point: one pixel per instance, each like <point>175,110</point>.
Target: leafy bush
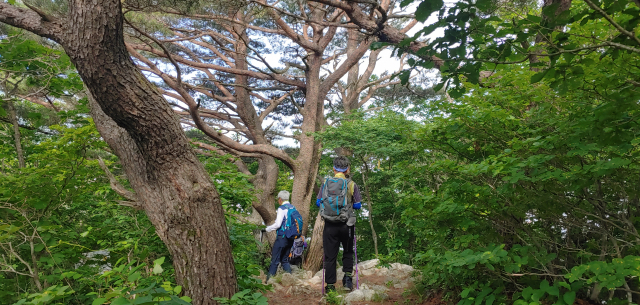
<point>244,297</point>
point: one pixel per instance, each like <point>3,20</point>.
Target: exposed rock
<point>277,286</point>
<point>355,296</point>
<point>288,280</point>
<point>401,285</point>
<point>364,295</point>
<point>368,264</point>
<point>379,288</point>
<point>313,281</point>
<point>367,272</point>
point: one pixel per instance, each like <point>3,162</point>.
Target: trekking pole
<point>322,284</point>
<point>355,252</point>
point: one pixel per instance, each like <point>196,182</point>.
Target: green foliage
<point>333,297</point>
<point>135,283</point>
<point>486,35</point>
<point>244,297</point>
<point>511,193</point>
<point>64,239</point>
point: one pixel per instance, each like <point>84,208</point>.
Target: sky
<point>386,63</point>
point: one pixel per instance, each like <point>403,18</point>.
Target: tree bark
<point>313,261</point>
<point>176,192</point>
<point>13,118</point>
<point>265,182</point>
<point>308,160</point>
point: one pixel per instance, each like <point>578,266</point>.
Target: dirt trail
<point>378,285</point>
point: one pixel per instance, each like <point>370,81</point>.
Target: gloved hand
<point>264,230</point>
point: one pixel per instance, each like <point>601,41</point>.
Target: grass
<point>333,298</point>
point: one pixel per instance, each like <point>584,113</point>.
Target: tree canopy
<point>138,163</point>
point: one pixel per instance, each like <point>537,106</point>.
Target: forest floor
<point>378,285</point>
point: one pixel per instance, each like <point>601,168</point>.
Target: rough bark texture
<point>264,183</point>
<point>310,149</point>
<point>313,260</point>
<point>176,192</point>
<point>193,249</point>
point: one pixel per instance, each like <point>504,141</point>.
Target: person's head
<point>341,165</point>
<point>283,196</point>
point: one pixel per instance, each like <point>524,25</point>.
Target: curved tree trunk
<point>313,261</point>
<point>176,192</point>
<point>308,160</point>
<point>265,182</point>
<point>172,186</point>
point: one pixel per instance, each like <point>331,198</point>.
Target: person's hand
<point>264,230</point>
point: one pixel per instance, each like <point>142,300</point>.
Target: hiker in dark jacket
<point>337,203</point>
<point>282,245</point>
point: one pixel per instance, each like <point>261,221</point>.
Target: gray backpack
<point>336,205</point>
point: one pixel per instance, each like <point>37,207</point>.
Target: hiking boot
<point>329,288</point>
<point>347,282</point>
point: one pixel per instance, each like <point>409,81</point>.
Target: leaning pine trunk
<point>172,186</point>
<point>313,260</point>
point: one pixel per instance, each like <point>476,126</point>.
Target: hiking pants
<point>335,234</point>
<point>280,254</point>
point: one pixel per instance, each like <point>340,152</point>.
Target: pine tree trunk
<point>136,121</point>
<point>187,215</point>
<point>264,182</point>
<point>313,260</point>
<point>13,118</point>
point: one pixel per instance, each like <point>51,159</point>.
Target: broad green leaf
<point>425,9</point>
<point>98,301</point>
<point>569,297</point>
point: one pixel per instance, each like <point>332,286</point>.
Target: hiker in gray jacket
<point>337,199</point>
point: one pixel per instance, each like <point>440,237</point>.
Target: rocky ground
<point>377,285</point>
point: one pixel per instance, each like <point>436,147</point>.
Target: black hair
<point>341,162</point>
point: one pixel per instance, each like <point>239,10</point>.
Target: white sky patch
<point>387,63</point>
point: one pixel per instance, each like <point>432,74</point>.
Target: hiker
<point>337,199</point>
<point>295,254</point>
<point>288,224</point>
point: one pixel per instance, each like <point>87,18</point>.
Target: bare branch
<point>115,185</point>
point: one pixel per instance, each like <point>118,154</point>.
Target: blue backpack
<point>291,226</point>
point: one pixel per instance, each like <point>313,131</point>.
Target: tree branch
<point>31,21</point>
<point>115,185</point>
